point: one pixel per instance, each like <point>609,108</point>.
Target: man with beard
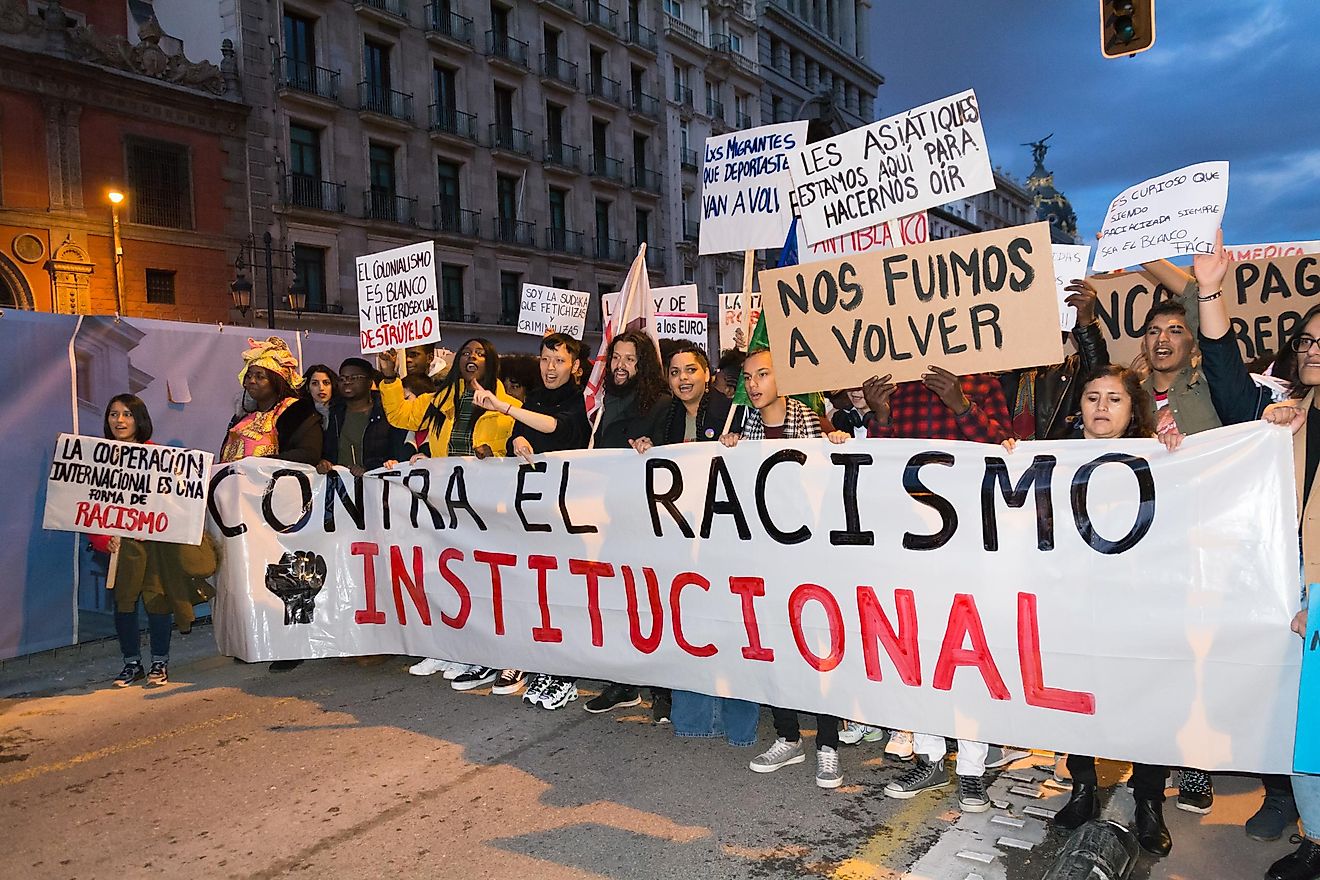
<point>635,391</point>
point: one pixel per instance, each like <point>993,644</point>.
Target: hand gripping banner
<point>1099,597</point>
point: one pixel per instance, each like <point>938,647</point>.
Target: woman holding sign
<point>167,578</point>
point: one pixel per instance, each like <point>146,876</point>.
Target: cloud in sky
<point>1225,80</point>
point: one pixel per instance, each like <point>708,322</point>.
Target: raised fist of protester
<point>1082,298</point>
<point>1286,415</point>
<point>387,364</point>
<point>1211,268</point>
<point>948,388</point>
<point>876,391</point>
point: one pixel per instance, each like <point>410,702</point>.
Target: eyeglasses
<point>1301,344</point>
<point>355,378</point>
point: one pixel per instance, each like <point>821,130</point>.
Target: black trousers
<point>786,726</point>
<point>1147,781</point>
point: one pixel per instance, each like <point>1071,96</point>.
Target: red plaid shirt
<point>917,413</point>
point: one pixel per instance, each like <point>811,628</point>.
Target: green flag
<point>760,341</point>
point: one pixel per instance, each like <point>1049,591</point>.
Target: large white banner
<point>744,188</point>
<point>1173,215</point>
<point>130,490</point>
<point>1097,597</point>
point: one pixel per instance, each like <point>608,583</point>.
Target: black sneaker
<point>159,674</point>
<point>971,794</point>
<point>131,672</point>
<point>475,677</point>
<point>1196,794</point>
<point>662,703</point>
<point>510,681</point>
<point>615,696</point>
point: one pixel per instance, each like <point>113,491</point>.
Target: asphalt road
<point>337,770</point>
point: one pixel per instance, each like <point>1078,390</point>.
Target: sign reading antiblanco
<point>545,310</point>
<point>690,328</point>
<point>1069,263</point>
<point>967,592</point>
<point>1266,301</point>
<point>928,156</point>
<point>744,188</point>
<point>969,304</point>
<point>132,490</point>
<point>397,305</point>
<point>1167,216</point>
<point>912,229</point>
<point>738,315</point>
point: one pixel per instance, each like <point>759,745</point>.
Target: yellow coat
<point>491,429</point>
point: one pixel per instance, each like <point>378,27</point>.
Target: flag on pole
<point>635,311</point>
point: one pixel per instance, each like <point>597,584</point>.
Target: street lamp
<point>241,289</point>
<point>116,199</point>
<point>297,299</point>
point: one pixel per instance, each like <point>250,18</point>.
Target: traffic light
<point>1126,27</point>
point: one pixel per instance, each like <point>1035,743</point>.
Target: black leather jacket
<point>1058,395</point>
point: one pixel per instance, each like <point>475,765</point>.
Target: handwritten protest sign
<point>744,185</point>
<point>678,299</point>
<point>1243,252</point>
<point>1266,300</point>
<point>397,303</point>
<point>738,315</point>
<point>969,304</point>
<point>912,229</point>
<point>1306,754</point>
<point>1167,216</point>
<point>927,156</point>
<point>131,490</point>
<point>1069,262</point>
<point>545,310</point>
<point>692,328</point>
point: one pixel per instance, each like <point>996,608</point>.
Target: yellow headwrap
<point>273,355</point>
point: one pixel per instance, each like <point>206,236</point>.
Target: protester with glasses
<point>358,436</point>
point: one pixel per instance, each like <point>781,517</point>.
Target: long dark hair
<point>490,373</point>
<point>321,368</point>
<point>1285,365</point>
<point>141,418</point>
<point>651,384</point>
<point>1142,423</point>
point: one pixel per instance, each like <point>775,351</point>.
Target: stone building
<point>1008,204</point>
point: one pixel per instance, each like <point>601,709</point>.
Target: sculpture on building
<point>1052,206</point>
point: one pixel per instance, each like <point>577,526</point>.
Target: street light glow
<point>115,196</point>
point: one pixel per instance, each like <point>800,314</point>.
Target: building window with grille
<point>449,211</point>
<point>160,286</point>
<point>159,184</point>
<point>451,292</point>
<point>510,297</point>
<point>309,267</point>
<point>674,8</point>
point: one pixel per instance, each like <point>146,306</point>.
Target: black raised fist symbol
<point>296,579</point>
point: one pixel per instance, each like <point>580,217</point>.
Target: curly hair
<point>651,384</point>
<point>1142,423</point>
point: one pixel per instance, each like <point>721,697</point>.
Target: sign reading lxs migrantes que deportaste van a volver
<point>744,188</point>
<point>130,490</point>
<point>397,301</point>
<point>1082,596</point>
<point>968,304</point>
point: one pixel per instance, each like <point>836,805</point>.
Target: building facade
<point>95,100</point>
<point>1008,204</point>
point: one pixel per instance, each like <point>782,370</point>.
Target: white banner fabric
<point>1096,597</point>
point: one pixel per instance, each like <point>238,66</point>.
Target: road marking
<point>874,859</point>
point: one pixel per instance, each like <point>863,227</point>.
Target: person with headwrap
<point>276,422</point>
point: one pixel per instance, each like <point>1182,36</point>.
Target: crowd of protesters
<point>1189,378</point>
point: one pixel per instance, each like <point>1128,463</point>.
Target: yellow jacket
<point>491,428</point>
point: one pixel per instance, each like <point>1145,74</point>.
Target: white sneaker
<point>781,754</point>
<point>558,693</point>
<point>536,686</point>
<point>852,733</point>
<point>900,745</point>
<point>455,670</point>
<point>429,666</point>
<point>828,774</point>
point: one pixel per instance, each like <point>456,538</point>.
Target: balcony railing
<point>378,204</point>
<point>506,48</point>
<point>715,109</point>
<point>448,24</point>
<point>558,69</point>
<point>655,258</point>
<point>690,228</point>
<point>303,77</point>
<point>515,140</point>
<point>518,232</point>
<point>646,105</point>
<point>565,241</point>
<point>683,95</point>
<point>603,87</point>
<point>744,120</point>
<point>306,191</point>
<point>561,154</point>
<point>689,160</point>
<point>387,102</point>
<point>566,5</point>
<point>607,167</point>
<point>642,36</point>
<point>676,27</point>
<point>614,250</point>
<point>445,120</point>
<point>452,220</point>
<point>645,178</point>
<point>397,8</point>
<point>602,16</point>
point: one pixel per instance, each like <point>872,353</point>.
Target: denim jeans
<point>130,634</point>
<point>699,715</point>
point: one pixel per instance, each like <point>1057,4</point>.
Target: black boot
<point>1081,808</point>
<point>1152,833</point>
<point>1301,865</point>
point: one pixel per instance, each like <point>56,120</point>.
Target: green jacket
<point>1189,395</point>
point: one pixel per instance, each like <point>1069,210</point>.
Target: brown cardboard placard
<point>971,304</point>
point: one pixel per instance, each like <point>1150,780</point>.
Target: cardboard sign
<point>131,490</point>
<point>397,302</point>
<point>1266,301</point>
<point>912,229</point>
<point>744,188</point>
<point>971,304</point>
<point>1167,216</point>
<point>545,310</point>
<point>1244,252</point>
<point>1069,262</point>
<point>692,328</point>
<point>675,300</point>
<point>928,156</point>
<point>738,315</point>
